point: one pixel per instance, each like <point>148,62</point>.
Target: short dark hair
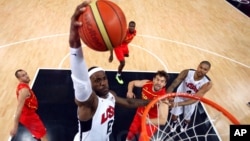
<point>162,73</point>
<point>132,23</point>
<point>206,62</point>
<point>17,71</point>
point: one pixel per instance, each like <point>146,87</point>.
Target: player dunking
<point>123,51</point>
<point>96,103</point>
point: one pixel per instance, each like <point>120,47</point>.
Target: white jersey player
<point>95,101</point>
<point>102,121</point>
<point>192,82</point>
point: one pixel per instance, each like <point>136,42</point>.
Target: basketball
<point>103,25</point>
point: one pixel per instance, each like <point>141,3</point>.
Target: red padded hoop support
<point>202,99</point>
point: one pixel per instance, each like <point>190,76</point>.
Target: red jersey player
<point>150,90</point>
<point>122,50</point>
<point>26,108</point>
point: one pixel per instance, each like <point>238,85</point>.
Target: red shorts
<point>135,128</point>
<point>120,51</point>
<point>33,123</point>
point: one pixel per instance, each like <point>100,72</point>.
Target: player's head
<point>131,26</point>
<point>22,76</point>
<point>203,68</point>
<point>160,80</point>
<point>99,81</point>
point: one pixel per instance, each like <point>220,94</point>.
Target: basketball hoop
<point>164,135</point>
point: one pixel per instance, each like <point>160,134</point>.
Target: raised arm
<point>130,102</point>
<point>182,75</point>
<point>84,96</point>
<point>132,84</point>
<point>78,66</point>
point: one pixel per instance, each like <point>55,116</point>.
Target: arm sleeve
<point>79,75</point>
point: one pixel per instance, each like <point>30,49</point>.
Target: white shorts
<point>187,109</point>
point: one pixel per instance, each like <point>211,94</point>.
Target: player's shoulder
<point>147,81</point>
<point>185,72</point>
<point>112,92</point>
<point>22,86</point>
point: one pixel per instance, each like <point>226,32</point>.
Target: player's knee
<point>37,139</point>
<point>122,63</point>
<point>174,117</point>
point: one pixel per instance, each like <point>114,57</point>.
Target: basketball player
<point>123,51</point>
<point>190,81</point>
<point>150,90</point>
<point>26,108</point>
<point>96,103</point>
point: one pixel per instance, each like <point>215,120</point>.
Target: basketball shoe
<point>118,79</point>
<point>173,126</point>
<point>184,126</point>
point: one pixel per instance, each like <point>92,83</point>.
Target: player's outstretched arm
<point>85,98</point>
<point>202,91</point>
<point>129,102</point>
<point>135,83</point>
<point>78,66</point>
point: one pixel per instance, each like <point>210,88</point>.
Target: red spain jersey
<point>30,102</point>
<point>29,118</point>
<point>129,37</point>
<point>149,94</point>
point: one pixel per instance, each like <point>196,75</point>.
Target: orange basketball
<point>104,25</point>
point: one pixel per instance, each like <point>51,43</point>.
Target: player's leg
<point>118,75</point>
<point>151,129</point>
<point>125,51</point>
<point>175,112</point>
<point>120,57</point>
<point>174,119</point>
<point>134,128</point>
<point>34,124</point>
<point>188,112</point>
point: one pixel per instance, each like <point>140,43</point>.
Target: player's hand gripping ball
<point>103,25</point>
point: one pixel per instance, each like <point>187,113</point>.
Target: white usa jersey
<point>189,85</point>
<point>100,124</point>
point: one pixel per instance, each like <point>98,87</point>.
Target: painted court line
<point>33,39</point>
<point>191,46</point>
<point>145,36</point>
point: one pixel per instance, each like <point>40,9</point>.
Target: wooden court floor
<point>171,35</point>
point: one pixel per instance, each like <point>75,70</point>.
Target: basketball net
<point>203,127</point>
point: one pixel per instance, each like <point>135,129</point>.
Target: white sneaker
<point>173,126</point>
<point>184,127</point>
